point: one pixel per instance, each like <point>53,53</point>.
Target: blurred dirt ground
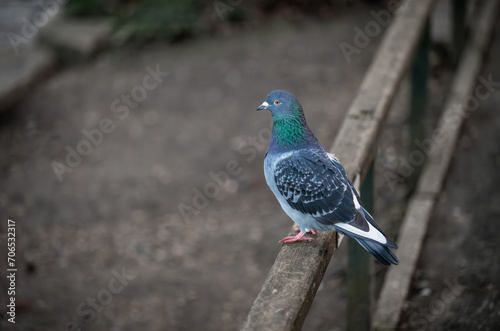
<point>107,248</point>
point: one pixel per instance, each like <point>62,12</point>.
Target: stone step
<point>76,39</point>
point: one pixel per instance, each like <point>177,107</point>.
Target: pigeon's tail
<point>381,252</point>
<point>369,235</point>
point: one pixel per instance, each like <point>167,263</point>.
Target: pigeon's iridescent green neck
<point>290,129</point>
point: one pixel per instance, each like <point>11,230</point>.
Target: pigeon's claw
<point>298,237</point>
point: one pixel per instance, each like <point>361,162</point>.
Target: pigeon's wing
<point>313,185</point>
<point>316,184</point>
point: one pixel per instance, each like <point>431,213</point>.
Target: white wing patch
<point>372,233</point>
<point>355,200</point>
<point>332,157</point>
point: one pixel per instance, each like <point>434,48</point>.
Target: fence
<point>288,292</point>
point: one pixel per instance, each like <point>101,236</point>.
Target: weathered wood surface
<point>397,281</point>
<point>287,294</point>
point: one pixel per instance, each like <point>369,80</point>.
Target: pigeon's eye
<point>277,102</point>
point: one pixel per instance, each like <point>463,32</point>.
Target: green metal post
<point>359,291</point>
<point>420,71</point>
<point>459,16</point>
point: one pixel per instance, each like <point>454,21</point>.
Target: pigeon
<point>312,186</point>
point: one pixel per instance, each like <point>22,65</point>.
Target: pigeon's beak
<point>263,106</point>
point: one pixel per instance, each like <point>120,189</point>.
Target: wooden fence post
<point>359,271</point>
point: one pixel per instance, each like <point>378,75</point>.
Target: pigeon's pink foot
<point>299,237</point>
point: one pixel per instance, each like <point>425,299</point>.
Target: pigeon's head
<point>281,103</point>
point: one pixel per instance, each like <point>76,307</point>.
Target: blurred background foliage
<point>146,20</point>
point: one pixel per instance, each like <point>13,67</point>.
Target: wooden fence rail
<point>289,290</point>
